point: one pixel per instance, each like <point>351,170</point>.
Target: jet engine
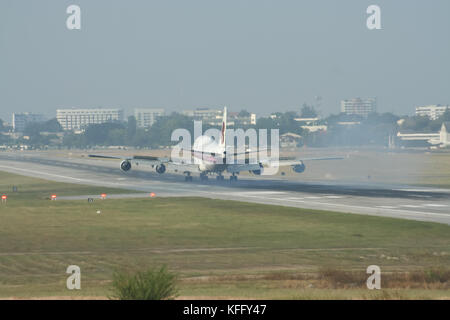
<point>259,171</point>
<point>161,168</point>
<point>125,165</point>
<point>299,168</point>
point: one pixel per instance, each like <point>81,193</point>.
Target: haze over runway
<point>399,201</point>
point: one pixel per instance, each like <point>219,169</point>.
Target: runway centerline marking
<point>435,205</point>
<point>48,174</point>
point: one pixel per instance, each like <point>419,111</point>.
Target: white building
<point>238,119</point>
<point>78,119</point>
<point>432,111</point>
<point>431,138</point>
<point>214,117</point>
<point>21,120</point>
<point>358,106</point>
<point>290,140</point>
<point>145,118</point>
<point>203,113</point>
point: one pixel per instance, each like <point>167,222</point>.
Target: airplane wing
<point>236,168</point>
<point>147,159</point>
<point>283,163</point>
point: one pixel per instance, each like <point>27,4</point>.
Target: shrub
<point>153,284</point>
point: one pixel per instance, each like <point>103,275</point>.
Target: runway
<point>399,201</point>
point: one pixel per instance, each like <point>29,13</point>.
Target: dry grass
<point>431,278</point>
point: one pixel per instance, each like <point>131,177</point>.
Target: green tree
<point>244,113</point>
<point>131,128</point>
<point>161,131</point>
<point>446,116</point>
<point>308,111</point>
<point>73,140</point>
<point>51,125</point>
<point>105,133</point>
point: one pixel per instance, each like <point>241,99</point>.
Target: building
<point>311,124</point>
<point>430,138</point>
<point>21,120</point>
<point>209,116</point>
<point>214,117</point>
<point>432,111</point>
<point>290,140</point>
<point>145,118</point>
<point>240,119</point>
<point>358,106</point>
<point>203,113</point>
<point>79,119</point>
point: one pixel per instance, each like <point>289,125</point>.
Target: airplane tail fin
<point>223,132</point>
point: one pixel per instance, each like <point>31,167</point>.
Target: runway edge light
<point>152,194</point>
<point>53,197</point>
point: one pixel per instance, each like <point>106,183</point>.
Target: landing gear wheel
<point>188,178</point>
<point>203,177</point>
<point>233,178</point>
<point>220,178</point>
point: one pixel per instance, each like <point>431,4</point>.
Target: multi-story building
<point>241,119</point>
<point>145,118</point>
<point>78,119</point>
<point>203,113</point>
<point>206,115</point>
<point>214,117</point>
<point>358,106</point>
<point>21,120</point>
<point>432,111</point>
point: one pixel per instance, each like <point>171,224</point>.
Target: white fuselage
<point>208,154</point>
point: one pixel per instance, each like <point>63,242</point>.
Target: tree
<point>285,122</point>
<point>308,111</point>
<point>38,127</point>
<point>161,131</point>
<point>445,116</point>
<point>131,128</point>
<point>244,113</point>
<point>51,125</point>
<point>416,124</point>
<point>73,140</point>
<point>105,133</point>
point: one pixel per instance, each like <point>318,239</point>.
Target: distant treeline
<point>357,131</point>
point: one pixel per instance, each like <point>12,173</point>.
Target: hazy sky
<point>259,55</point>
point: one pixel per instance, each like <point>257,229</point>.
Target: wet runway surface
<point>409,202</point>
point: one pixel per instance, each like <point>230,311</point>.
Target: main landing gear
<point>233,178</point>
<point>220,177</point>
<point>203,177</point>
<point>188,177</point>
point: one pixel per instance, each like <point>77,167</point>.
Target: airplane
<point>210,157</point>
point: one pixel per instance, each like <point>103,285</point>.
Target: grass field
<point>220,248</point>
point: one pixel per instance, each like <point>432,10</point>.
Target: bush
<point>153,284</point>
